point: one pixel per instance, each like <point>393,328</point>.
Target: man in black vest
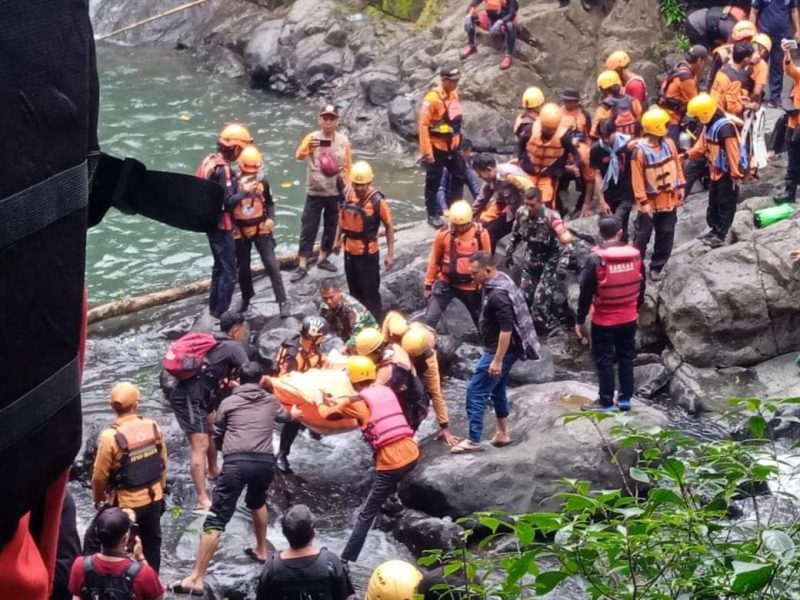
<point>303,570</point>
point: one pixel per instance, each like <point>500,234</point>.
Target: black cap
<point>450,70</point>
<point>697,52</point>
<point>112,524</point>
<point>570,94</point>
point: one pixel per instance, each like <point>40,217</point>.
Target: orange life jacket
<point>292,356</point>
<point>250,211</point>
<point>450,123</point>
<point>494,5</point>
<point>545,155</point>
<point>387,423</point>
<point>622,111</point>
<point>456,254</point>
<point>141,465</point>
<point>660,170</point>
<point>576,120</point>
<point>667,99</point>
<point>524,118</point>
<point>354,221</point>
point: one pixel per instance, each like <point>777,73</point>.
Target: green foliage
<point>672,12</point>
<point>668,535</point>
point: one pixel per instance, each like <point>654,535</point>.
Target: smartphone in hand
<point>133,533</point>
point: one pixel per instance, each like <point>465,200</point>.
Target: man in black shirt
<point>501,348</point>
<point>303,570</point>
<point>194,400</point>
<point>610,157</point>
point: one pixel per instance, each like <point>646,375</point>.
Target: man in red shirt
<point>112,568</point>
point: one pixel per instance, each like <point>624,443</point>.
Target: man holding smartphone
<point>329,157</point>
<point>773,17</point>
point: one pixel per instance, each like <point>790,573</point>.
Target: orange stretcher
<point>305,391</point>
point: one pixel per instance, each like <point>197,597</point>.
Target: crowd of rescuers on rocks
<point>626,157</point>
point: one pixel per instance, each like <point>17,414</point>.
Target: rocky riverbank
<point>376,66</point>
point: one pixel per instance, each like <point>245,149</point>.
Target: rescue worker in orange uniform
<point>130,468</point>
<point>719,143</point>
<point>395,371</point>
<point>502,194</point>
<point>532,102</point>
<point>419,342</point>
<point>217,168</point>
<point>743,31</point>
<point>634,86</point>
<point>360,217</point>
<point>617,105</point>
<point>762,46</point>
<point>658,183</point>
<point>299,352</point>
<point>732,84</point>
<point>448,275</point>
<point>577,118</point>
<point>439,131</point>
<point>792,131</point>
<point>548,153</point>
<point>381,419</point>
<point>498,19</point>
<point>680,86</point>
<point>254,222</point>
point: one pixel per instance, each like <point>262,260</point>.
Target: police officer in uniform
<point>130,468</point>
<point>612,290</point>
<point>548,249</point>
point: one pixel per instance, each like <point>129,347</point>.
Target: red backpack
<point>185,356</point>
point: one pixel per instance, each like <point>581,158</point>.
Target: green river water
<point>143,92</point>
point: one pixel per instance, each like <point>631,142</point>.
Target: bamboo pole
<point>166,13</point>
<point>129,305</point>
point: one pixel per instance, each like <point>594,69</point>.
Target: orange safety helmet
<point>234,135</point>
<point>618,59</point>
<point>550,116</point>
<point>743,30</point>
<point>250,160</point>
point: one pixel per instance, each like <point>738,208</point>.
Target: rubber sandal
<point>465,447</point>
<point>251,554</point>
<point>177,588</point>
<point>501,444</point>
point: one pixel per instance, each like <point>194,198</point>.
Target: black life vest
<point>141,464</point>
<point>108,587</point>
<point>312,582</point>
<point>680,71</point>
<point>410,392</point>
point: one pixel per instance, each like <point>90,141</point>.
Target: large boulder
<point>545,451</point>
<point>737,305</point>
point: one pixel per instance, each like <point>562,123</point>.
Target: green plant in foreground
<point>672,12</point>
<point>668,534</point>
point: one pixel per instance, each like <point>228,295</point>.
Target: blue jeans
<point>482,387</point>
<point>223,273</point>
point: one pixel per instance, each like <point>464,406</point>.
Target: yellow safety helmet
<point>250,160</point>
<point>532,98</point>
<point>703,106</point>
<point>394,580</point>
<point>608,79</point>
<point>618,59</point>
<point>550,116</point>
<point>234,135</point>
<point>395,324</point>
<point>743,30</point>
<point>361,173</point>
<point>360,369</point>
<point>655,120</point>
<point>369,340</point>
<point>416,341</point>
<point>763,40</point>
<point>460,213</point>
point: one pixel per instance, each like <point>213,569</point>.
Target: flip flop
<point>465,447</point>
<point>501,444</point>
<point>178,588</point>
<point>251,554</point>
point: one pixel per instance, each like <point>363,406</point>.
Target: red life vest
<point>354,221</point>
<point>387,423</point>
<point>204,170</point>
<point>619,279</point>
<point>141,464</point>
<point>456,254</point>
<point>631,80</point>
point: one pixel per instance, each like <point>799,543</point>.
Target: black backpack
<point>108,587</point>
<point>313,582</point>
<point>410,392</point>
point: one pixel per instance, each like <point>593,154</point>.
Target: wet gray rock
<point>380,86</point>
<point>421,532</point>
<point>269,341</point>
<point>650,379</point>
<point>401,116</point>
<point>406,285</point>
<point>545,451</point>
<point>534,371</point>
<point>463,363</point>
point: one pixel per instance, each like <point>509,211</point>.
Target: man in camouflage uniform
<point>548,248</point>
<point>345,315</point>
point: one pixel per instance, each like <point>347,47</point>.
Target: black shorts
<point>189,402</point>
<point>239,470</point>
